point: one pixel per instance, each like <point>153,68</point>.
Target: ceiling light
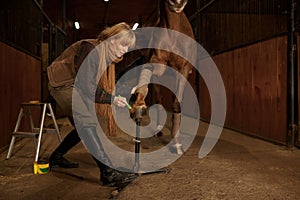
<point>77,26</point>
<point>106,0</point>
<point>135,26</point>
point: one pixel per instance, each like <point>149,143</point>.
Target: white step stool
<point>35,132</point>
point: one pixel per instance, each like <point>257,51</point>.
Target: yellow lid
<point>34,101</point>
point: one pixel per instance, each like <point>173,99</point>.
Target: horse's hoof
<point>178,148</point>
<point>138,111</point>
<point>158,130</point>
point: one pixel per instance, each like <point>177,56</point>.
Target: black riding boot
<point>57,159</point>
<point>108,175</point>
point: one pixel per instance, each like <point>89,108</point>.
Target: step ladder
<point>36,132</point>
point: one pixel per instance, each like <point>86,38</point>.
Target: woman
<point>90,65</point>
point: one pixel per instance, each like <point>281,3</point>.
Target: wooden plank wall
<point>234,29</point>
<point>20,80</point>
<point>298,43</point>
<point>255,79</point>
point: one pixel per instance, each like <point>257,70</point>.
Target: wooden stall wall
<point>298,58</point>
<point>20,79</point>
<point>255,79</point>
<point>236,29</point>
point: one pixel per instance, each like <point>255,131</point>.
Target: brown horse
<point>171,17</point>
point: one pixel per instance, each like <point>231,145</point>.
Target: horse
<point>171,17</point>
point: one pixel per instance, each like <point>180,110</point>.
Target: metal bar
<point>137,145</point>
<point>40,133</point>
<point>201,10</point>
<point>292,76</point>
<point>54,121</point>
<point>11,146</point>
<point>64,15</point>
<point>12,142</point>
<point>43,12</point>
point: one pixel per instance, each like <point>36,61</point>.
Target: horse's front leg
<point>175,130</point>
<point>176,115</point>
<point>160,110</point>
<point>137,99</point>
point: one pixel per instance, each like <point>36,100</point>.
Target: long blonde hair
<point>106,81</point>
<point>119,31</point>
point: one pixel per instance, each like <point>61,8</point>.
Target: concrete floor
<point>239,167</point>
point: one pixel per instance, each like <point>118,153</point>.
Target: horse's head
<point>176,5</point>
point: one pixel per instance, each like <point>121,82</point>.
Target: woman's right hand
<point>120,101</point>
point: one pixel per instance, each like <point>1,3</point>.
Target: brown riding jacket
<point>63,70</point>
